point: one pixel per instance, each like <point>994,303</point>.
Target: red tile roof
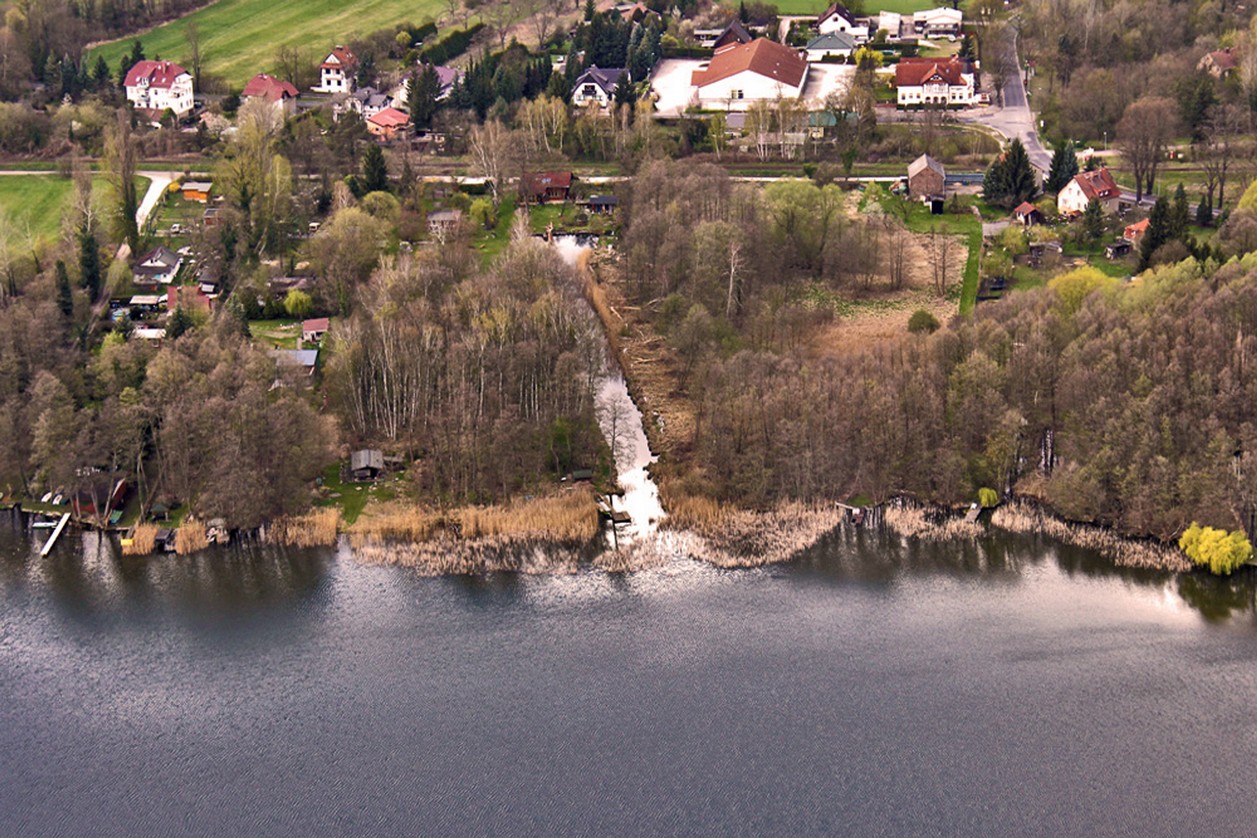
<point>269,88</point>
<point>158,73</point>
<point>1098,184</point>
<point>538,182</point>
<point>1134,231</point>
<point>1224,59</point>
<point>911,72</point>
<point>762,56</point>
<point>345,60</point>
<point>1025,208</point>
<point>390,118</point>
<point>318,324</point>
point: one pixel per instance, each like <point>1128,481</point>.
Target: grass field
<point>36,202</point>
<point>815,7</point>
<point>242,37</point>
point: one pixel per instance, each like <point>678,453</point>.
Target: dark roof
<point>839,10</point>
<point>604,201</point>
<point>536,183</point>
<point>606,79</point>
<point>832,40</point>
<point>366,458</point>
<point>735,33</point>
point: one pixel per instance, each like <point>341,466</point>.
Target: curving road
<point>1014,118</point>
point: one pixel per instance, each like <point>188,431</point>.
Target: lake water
<point>869,688</point>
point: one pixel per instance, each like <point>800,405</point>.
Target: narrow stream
<point>621,423</point>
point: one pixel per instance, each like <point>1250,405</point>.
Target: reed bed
<point>914,522</point>
<point>543,535</point>
<point>317,528</point>
<point>1126,552</point>
<point>728,537</point>
<point>190,537</point>
<point>143,541</point>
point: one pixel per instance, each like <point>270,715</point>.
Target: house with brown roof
<point>275,91</point>
<point>155,87</point>
<point>388,124</point>
<point>838,18</point>
<point>336,73</point>
<point>1220,63</point>
<point>1027,214</point>
<point>541,187</point>
<point>1134,232</point>
<point>1085,187</point>
<point>735,33</point>
<point>934,81</point>
<point>739,75</point>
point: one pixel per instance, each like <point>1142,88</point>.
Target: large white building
<point>1085,187</point>
<point>336,73</point>
<point>940,22</point>
<point>158,86</point>
<point>742,74</point>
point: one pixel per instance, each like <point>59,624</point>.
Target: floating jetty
<point>56,533</point>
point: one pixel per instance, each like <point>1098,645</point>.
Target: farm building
<point>745,73</point>
<point>926,178</point>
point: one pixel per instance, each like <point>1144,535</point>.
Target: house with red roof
<point>935,81</point>
<point>388,124</point>
<point>157,86</point>
<point>540,187</point>
<point>739,75</point>
<point>1134,232</point>
<point>267,88</point>
<point>336,73</point>
<point>1085,187</point>
<point>1219,63</point>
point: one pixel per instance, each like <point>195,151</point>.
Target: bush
<point>1221,551</point>
<point>922,322</point>
<point>451,46</point>
<point>987,498</point>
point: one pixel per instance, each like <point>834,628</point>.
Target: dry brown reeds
<point>701,514</point>
<point>317,528</point>
<point>728,537</point>
<point>190,537</point>
<point>1125,552</point>
<point>912,522</point>
<point>143,541</point>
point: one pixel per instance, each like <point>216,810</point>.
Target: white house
<point>158,86</point>
<point>891,23</point>
<point>281,94</point>
<point>833,45</point>
<point>931,81</point>
<point>596,86</point>
<point>740,75</point>
<point>838,18</point>
<point>1073,199</point>
<point>939,22</point>
<point>336,73</point>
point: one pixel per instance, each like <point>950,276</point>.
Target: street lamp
<point>1106,140</point>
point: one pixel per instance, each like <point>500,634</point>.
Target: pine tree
<point>179,323</point>
<point>589,10</point>
<point>425,87</point>
<point>65,296</point>
<point>1093,220</point>
<point>374,171</point>
<point>1064,168</point>
<point>100,74</point>
<point>1010,179</point>
<point>742,13</point>
<point>1204,210</point>
<point>89,264</point>
<point>1180,215</point>
<point>1157,233</point>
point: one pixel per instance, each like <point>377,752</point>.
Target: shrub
<point>987,498</point>
<point>922,322</point>
<point>1221,551</point>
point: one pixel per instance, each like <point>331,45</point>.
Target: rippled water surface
<point>871,688</point>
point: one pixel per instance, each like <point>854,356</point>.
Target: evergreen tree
<point>374,170</point>
<point>1204,210</point>
<point>100,74</point>
<point>179,323</point>
<point>1064,168</point>
<point>1093,220</point>
<point>1180,215</point>
<point>1010,179</point>
<point>425,87</point>
<point>65,296</point>
<point>590,9</point>
<point>1158,232</point>
<point>129,61</point>
<point>624,93</point>
<point>89,264</point>
<point>743,16</point>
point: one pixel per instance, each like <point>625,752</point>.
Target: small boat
<point>47,497</point>
<point>57,499</point>
<point>43,525</point>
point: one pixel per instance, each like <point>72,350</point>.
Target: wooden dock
<point>52,539</point>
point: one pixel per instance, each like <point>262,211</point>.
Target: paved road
<point>1014,119</point>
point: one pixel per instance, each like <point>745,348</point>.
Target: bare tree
<point>940,253</point>
<point>1143,135</point>
<point>1218,149</point>
<point>488,147</point>
<point>543,15</point>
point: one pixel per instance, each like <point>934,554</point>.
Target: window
<point>737,94</point>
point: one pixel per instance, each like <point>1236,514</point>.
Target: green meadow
<point>242,37</point>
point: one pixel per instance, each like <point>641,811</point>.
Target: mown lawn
<point>242,37</point>
<point>36,202</point>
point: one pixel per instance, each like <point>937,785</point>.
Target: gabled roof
<point>761,56</point>
<point>389,118</point>
<point>159,255</point>
<point>911,72</point>
<point>447,76</point>
<point>1134,231</point>
<point>268,87</point>
<point>161,74</point>
<point>339,58</point>
<point>606,79</point>
<point>1223,59</point>
<point>735,33</point>
<point>838,10</point>
<point>834,40</point>
<point>924,162</point>
<point>1098,185</point>
<point>1025,208</point>
<point>536,183</point>
<point>317,324</point>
